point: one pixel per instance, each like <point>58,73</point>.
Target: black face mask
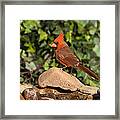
<point>56,45</point>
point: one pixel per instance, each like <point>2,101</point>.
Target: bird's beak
<point>53,45</point>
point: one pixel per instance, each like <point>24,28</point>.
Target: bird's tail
<point>88,71</point>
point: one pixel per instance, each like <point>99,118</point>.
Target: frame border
<point>55,2</point>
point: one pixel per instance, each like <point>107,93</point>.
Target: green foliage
<point>36,56</point>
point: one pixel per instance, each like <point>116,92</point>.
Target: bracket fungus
<point>56,77</point>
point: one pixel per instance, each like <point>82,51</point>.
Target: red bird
<point>66,56</point>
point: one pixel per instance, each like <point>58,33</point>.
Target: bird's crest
<point>59,38</point>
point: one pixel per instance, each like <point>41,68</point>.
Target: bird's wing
<point>66,56</point>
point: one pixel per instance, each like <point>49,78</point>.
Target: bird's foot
<point>71,71</point>
<point>63,68</point>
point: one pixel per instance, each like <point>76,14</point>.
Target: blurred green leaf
<point>46,66</point>
<point>29,24</point>
<point>23,54</point>
<point>30,66</point>
<point>68,37</point>
<point>96,50</point>
<point>57,30</point>
<point>53,63</point>
<point>21,79</point>
<point>30,47</point>
<point>87,37</point>
<point>27,30</point>
<point>43,35</point>
<point>92,31</point>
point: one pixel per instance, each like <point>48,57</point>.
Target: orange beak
<point>53,45</point>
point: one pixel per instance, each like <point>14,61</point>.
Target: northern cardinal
<point>66,56</point>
